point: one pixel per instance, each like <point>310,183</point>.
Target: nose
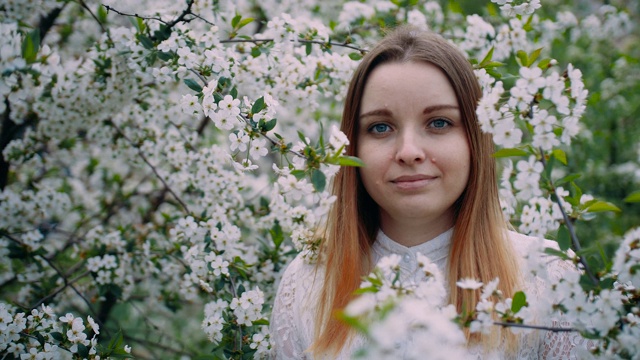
<point>410,148</point>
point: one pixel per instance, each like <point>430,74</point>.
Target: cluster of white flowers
<point>625,264</point>
<point>403,331</point>
<point>511,8</point>
<point>569,102</point>
<point>29,207</point>
<point>248,307</point>
<point>213,319</point>
<point>51,336</point>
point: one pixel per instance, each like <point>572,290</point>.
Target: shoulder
<point>299,276</point>
<point>300,268</point>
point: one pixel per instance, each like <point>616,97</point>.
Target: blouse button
<point>407,258</point>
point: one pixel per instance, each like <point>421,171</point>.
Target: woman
<point>428,185</point>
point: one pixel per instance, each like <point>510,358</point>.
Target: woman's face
<point>413,143</point>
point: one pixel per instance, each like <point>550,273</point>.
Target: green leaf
<point>193,85</point>
<point>600,206</point>
<point>364,290</point>
<point>299,174</point>
<point>57,336</point>
<point>577,190</point>
<point>83,351</point>
<point>116,341</point>
<point>269,125</point>
<point>527,26</point>
<point>455,7</point>
<point>350,161</point>
<point>145,41</point>
<point>308,47</point>
<point>355,56</point>
<point>303,138</point>
<point>258,105</point>
<point>261,322</point>
<point>493,64</point>
<point>139,24</point>
<point>31,45</point>
<point>234,92</point>
<point>634,197</point>
<point>567,179</point>
<point>255,51</point>
<point>534,56</point>
<point>102,13</point>
<point>352,322</point>
<point>509,152</point>
<point>487,58</point>
<point>522,57</point>
<point>519,300</point>
<point>236,19</point>
<point>163,33</point>
<point>276,234</point>
<point>319,180</point>
<point>40,338</point>
<point>544,63</point>
<point>165,56</point>
<point>556,252</point>
<point>560,155</point>
<point>244,22</point>
<point>564,238</point>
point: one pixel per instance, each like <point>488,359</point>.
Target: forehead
<point>406,84</point>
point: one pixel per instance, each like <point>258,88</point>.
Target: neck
<point>414,231</point>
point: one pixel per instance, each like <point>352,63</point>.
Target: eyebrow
<point>427,110</point>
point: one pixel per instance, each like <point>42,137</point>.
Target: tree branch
<point>183,18</point>
<point>46,22</point>
<point>155,171</point>
<point>534,327</point>
<point>102,28</point>
<point>303,41</point>
<point>572,233</point>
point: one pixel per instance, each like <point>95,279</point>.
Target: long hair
<point>479,242</point>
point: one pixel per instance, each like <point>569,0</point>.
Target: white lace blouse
<point>293,316</point>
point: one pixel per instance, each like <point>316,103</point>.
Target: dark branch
<point>534,327</point>
<point>46,22</point>
<point>155,171</point>
<point>183,18</point>
<point>109,8</point>
<point>572,233</point>
<point>303,41</point>
<point>84,5</point>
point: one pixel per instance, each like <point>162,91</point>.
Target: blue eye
<point>439,123</point>
<point>379,128</point>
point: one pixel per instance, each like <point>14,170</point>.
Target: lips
<point>412,182</point>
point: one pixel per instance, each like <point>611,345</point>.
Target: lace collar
<point>436,249</point>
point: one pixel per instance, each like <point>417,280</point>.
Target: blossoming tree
<point>162,161</point>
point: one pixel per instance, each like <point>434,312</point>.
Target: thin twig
<point>109,8</point>
<point>183,18</point>
<point>534,327</point>
<point>158,345</point>
<point>572,232</point>
<point>303,41</point>
<point>153,168</point>
<point>204,81</point>
<point>84,5</point>
<point>68,283</point>
<point>273,142</point>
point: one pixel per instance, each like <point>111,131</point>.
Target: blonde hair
<point>479,242</point>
